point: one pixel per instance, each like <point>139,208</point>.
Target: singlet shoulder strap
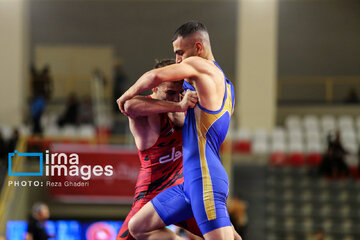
<point>225,95</point>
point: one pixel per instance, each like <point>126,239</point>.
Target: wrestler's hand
<point>121,102</point>
<point>189,100</point>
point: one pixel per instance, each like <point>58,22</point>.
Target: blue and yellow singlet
<point>206,182</point>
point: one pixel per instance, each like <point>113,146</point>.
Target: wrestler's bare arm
<point>203,74</point>
<point>144,119</point>
<point>141,106</point>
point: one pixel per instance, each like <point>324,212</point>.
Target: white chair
<point>345,122</point>
<point>292,121</point>
<point>348,136</point>
<point>51,131</point>
<point>260,147</point>
<point>314,147</point>
<point>278,146</point>
<point>328,123</point>
<point>312,135</point>
<point>69,131</point>
<point>6,131</point>
<point>311,122</point>
<point>295,135</point>
<point>260,134</point>
<point>296,146</point>
<point>278,134</point>
<point>242,134</point>
<point>87,131</point>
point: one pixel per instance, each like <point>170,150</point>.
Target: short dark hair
<point>189,28</point>
<point>163,62</point>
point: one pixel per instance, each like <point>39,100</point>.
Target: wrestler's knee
<point>237,236</point>
<point>223,233</point>
<point>135,227</point>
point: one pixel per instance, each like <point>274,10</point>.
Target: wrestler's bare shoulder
<point>200,64</point>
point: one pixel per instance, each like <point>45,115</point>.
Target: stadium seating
<point>302,138</point>
<point>299,204</point>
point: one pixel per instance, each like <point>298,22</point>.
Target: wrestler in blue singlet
<point>206,185</point>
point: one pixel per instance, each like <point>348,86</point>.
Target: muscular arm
<point>153,78</point>
<point>144,120</point>
<point>144,117</point>
<point>140,106</point>
<point>201,71</point>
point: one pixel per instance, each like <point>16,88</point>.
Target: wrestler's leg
<point>169,207</point>
<point>223,233</point>
<point>147,224</point>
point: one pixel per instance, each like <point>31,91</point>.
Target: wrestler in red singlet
<point>161,168</point>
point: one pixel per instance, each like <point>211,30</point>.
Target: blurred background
<point>292,152</point>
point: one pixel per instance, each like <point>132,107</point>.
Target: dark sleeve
<point>31,227</point>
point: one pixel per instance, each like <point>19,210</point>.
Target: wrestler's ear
<point>199,47</point>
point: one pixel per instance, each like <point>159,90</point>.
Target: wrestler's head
<point>170,91</point>
<point>191,39</point>
<point>40,211</point>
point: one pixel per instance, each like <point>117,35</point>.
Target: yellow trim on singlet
<point>204,121</point>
